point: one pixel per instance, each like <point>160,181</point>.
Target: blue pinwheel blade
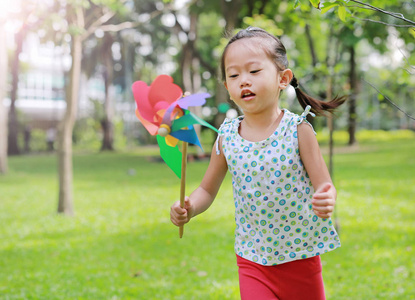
<point>187,135</point>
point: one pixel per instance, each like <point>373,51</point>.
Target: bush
<point>365,136</point>
<point>88,135</point>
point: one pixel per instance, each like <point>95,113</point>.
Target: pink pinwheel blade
<point>151,128</point>
<point>140,92</point>
<point>164,90</point>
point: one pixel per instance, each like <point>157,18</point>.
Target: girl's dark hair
<point>278,54</point>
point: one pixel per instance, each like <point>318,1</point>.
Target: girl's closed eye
<point>255,71</point>
<point>233,76</point>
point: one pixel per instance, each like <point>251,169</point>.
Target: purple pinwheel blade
<point>193,100</point>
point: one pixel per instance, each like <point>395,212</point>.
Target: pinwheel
<point>163,111</point>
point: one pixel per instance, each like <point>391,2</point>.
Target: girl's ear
<point>285,78</point>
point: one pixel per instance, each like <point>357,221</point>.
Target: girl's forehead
<point>247,47</point>
<point>254,44</point>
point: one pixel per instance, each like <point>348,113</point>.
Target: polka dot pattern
<point>272,191</point>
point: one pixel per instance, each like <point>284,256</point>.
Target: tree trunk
<point>197,85</point>
<point>330,124</point>
<point>107,123</point>
<point>3,111</point>
<point>311,45</point>
<point>314,62</point>
<point>13,147</point>
<point>190,69</point>
<point>352,99</point>
<point>65,205</point>
<point>230,10</point>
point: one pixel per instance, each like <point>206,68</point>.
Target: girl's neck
<point>258,127</point>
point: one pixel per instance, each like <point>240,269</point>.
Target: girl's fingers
<point>178,209</point>
<point>187,203</point>
<point>324,188</point>
<point>321,195</point>
<point>323,209</point>
<point>179,215</point>
<point>323,216</point>
<point>323,203</point>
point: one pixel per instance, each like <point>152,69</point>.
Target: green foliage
<point>315,3</point>
<point>120,140</point>
<point>326,6</point>
<point>87,135</point>
<point>342,13</point>
<point>263,22</point>
<point>38,140</point>
<point>209,35</point>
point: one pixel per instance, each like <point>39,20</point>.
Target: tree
<point>13,125</point>
<point>84,18</point>
<point>107,122</point>
<point>98,59</point>
<point>31,18</point>
<point>230,12</point>
<point>81,26</point>
<point>3,111</point>
<point>369,23</point>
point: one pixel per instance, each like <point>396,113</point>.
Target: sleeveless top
<point>275,222</point>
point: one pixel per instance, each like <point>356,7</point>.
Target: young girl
<point>283,192</point>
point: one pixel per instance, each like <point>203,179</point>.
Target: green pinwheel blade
<point>189,119</point>
<point>171,156</point>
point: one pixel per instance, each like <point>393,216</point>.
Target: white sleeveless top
<point>275,222</point>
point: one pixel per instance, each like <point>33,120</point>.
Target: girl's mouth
<point>247,95</point>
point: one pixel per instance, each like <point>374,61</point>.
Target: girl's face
<point>252,79</point>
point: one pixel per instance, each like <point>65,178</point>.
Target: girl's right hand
<point>180,216</point>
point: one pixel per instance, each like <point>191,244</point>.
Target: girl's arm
<point>203,196</point>
<point>325,194</point>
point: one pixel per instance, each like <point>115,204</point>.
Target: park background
<point>84,196</point>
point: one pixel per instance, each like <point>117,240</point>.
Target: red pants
<point>296,280</point>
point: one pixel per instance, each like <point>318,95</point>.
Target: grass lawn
<point>121,245</point>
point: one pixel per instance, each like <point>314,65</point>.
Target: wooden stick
<point>183,181</point>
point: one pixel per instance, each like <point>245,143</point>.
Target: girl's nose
<point>244,81</point>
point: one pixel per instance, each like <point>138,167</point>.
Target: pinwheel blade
<point>140,92</point>
<point>193,100</point>
<point>171,156</point>
<point>188,135</point>
<point>189,119</point>
<point>151,128</point>
<point>163,90</point>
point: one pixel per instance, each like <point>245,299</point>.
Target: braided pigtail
<point>317,106</point>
